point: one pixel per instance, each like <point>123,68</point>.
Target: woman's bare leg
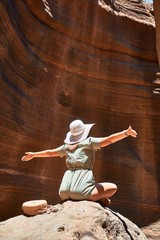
<point>103,191</point>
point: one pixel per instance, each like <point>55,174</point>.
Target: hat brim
<point>70,139</point>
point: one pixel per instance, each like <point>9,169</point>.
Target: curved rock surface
<point>152,231</point>
<point>72,221</point>
<point>93,60</point>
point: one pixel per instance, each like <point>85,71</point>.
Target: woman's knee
<point>109,186</point>
<point>115,187</point>
<point>109,190</point>
<point>103,190</point>
<point>112,188</point>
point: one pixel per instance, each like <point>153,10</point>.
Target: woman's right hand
<point>131,132</point>
<point>28,156</point>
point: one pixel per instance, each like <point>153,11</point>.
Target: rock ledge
<point>72,221</point>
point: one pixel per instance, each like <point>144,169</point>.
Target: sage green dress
<point>78,181</point>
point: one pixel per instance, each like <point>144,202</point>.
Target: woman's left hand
<point>28,156</point>
<point>131,132</point>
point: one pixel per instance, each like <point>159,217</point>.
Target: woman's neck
<point>72,147</point>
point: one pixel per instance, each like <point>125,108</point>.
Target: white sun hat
<point>78,132</point>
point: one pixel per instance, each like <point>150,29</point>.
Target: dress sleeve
<point>95,142</point>
<point>60,151</point>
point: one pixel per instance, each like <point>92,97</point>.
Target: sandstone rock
<point>157,22</point>
<point>92,60</point>
<point>152,231</point>
<point>72,221</point>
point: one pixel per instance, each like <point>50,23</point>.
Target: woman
<point>79,150</point>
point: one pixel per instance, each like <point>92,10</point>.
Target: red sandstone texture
<point>92,60</point>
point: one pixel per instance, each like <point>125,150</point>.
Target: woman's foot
<point>105,202</point>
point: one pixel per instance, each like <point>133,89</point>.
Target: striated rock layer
<point>157,23</point>
<point>93,60</point>
<point>72,220</point>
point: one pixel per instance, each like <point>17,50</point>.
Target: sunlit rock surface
<point>72,221</point>
<point>92,60</point>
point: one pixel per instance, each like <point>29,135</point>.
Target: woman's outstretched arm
<point>118,136</point>
<point>46,153</point>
